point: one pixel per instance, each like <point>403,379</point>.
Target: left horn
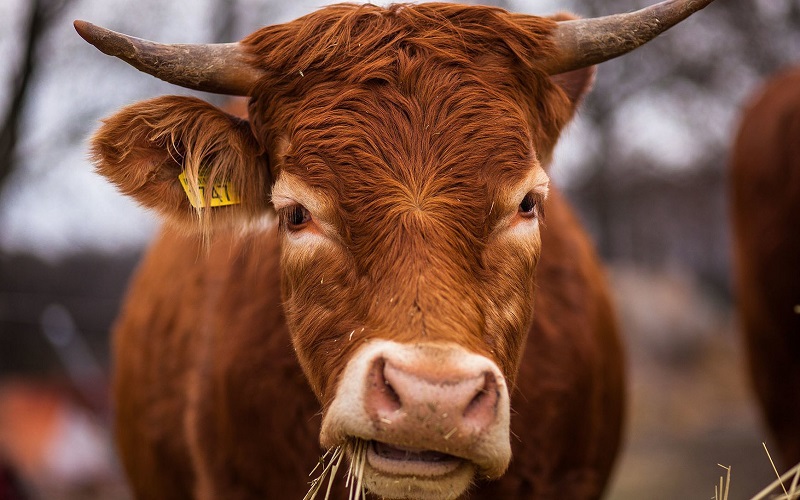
<point>219,68</point>
<point>584,42</point>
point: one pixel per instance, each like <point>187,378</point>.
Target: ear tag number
<point>222,194</point>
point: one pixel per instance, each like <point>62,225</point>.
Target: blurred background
<point>645,163</point>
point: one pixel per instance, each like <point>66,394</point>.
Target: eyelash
<point>530,207</point>
<point>295,217</point>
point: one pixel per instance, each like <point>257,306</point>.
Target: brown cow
<point>766,215</point>
<point>404,152</point>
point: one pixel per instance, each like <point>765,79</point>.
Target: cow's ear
<point>191,162</point>
<point>576,84</point>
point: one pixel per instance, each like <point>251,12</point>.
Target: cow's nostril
<point>482,408</point>
<point>391,394</point>
<point>381,395</point>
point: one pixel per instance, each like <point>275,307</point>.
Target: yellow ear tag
<point>222,194</point>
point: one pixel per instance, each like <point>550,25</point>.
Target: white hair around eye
<point>303,213</point>
<point>522,204</point>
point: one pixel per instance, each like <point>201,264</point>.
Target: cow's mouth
<point>405,461</point>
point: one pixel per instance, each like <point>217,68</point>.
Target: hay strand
<point>327,469</point>
<point>774,469</point>
<point>722,490</point>
<point>355,476</point>
<point>330,463</point>
<point>792,475</point>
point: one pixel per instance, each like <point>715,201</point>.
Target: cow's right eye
<point>296,217</point>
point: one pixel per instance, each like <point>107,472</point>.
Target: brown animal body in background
<point>766,219</point>
<point>404,154</point>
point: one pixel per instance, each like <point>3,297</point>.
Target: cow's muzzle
<point>434,416</point>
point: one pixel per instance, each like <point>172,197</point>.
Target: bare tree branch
<point>41,16</point>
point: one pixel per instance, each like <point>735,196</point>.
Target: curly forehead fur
<point>367,46</point>
<point>426,101</point>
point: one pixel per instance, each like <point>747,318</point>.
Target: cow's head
<point>404,151</point>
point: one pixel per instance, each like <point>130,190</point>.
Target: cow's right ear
<point>146,147</point>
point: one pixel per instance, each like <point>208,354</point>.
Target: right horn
<point>584,42</point>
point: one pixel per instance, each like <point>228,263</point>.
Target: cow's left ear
<point>576,84</point>
<point>189,161</point>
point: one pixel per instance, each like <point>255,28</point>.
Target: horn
<point>584,42</point>
<point>219,68</point>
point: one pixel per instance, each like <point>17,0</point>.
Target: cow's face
<point>409,195</point>
<point>409,244</point>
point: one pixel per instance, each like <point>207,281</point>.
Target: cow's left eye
<point>529,206</point>
<point>296,217</point>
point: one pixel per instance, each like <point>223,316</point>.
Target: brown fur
<point>766,215</point>
<point>414,122</point>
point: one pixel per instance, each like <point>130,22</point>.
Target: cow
<point>765,208</point>
<point>353,267</point>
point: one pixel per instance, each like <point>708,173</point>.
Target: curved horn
<point>584,42</point>
<point>218,68</point>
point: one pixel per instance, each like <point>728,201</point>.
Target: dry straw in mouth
<point>330,462</point>
<point>775,491</point>
<point>792,475</point>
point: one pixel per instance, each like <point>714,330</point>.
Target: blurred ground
<point>54,413</point>
<point>690,403</point>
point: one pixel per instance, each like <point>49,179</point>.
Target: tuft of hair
<point>367,44</point>
<point>357,40</point>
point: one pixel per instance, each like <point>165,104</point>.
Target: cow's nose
<point>422,407</point>
<point>463,402</point>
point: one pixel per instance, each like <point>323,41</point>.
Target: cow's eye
<point>296,217</point>
<point>529,206</point>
